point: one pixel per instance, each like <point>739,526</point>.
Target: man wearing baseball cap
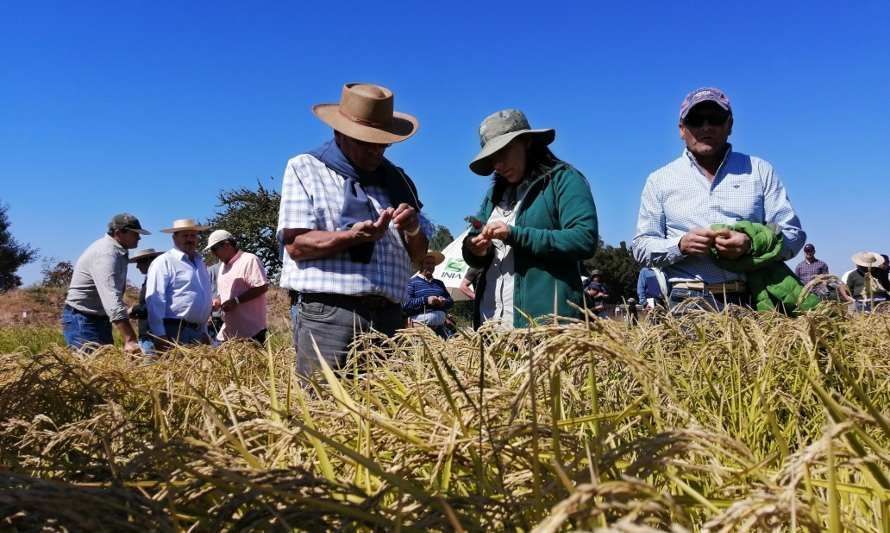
<point>95,295</point>
<point>242,285</point>
<point>689,209</point>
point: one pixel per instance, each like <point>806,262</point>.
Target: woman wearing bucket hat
<point>540,223</point>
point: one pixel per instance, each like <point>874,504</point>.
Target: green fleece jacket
<point>555,229</point>
<point>771,283</point>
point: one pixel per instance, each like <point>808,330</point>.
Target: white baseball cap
<point>217,237</point>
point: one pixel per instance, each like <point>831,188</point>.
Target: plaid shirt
<point>678,197</point>
<point>311,198</point>
<point>807,271</point>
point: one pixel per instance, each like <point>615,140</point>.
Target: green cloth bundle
<point>771,283</point>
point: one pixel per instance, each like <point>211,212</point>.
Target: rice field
<point>710,422</point>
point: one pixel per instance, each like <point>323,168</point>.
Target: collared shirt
<point>419,291</point>
<point>177,287</point>
<point>244,271</point>
<point>312,198</point>
<point>807,271</point>
<point>647,285</point>
<point>99,279</point>
<point>679,197</point>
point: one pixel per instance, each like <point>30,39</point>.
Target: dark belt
<point>180,323</point>
<point>84,313</point>
<point>371,302</point>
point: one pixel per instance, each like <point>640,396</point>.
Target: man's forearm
<point>252,293</point>
<point>126,330</point>
<point>317,244</point>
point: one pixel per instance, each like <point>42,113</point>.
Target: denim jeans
<point>333,327</point>
<point>80,328</point>
<point>708,301</point>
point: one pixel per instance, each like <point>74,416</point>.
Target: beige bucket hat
<point>496,132</point>
<point>185,224</point>
<point>868,259</point>
<point>366,112</point>
<point>217,237</point>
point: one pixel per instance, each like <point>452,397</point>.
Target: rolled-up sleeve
<point>296,210</point>
<point>777,210</point>
<point>651,246</point>
<point>110,277</point>
<point>156,296</point>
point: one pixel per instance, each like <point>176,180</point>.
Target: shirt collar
<point>695,164</point>
<point>115,243</point>
<point>234,257</point>
<point>182,256</point>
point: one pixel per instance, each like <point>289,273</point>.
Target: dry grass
<point>712,422</point>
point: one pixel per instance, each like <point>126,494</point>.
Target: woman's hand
<point>496,231</point>
<point>479,245</point>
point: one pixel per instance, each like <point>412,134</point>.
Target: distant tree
<point>251,216</point>
<point>620,270</point>
<point>13,254</point>
<point>56,273</point>
<point>440,239</point>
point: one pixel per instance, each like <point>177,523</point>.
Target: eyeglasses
<point>697,120</point>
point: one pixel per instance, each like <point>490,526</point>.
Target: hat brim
<point>403,125</point>
<point>140,258</point>
<point>481,164</point>
<point>438,256</point>
<point>140,231</point>
<point>186,228</point>
<point>868,259</point>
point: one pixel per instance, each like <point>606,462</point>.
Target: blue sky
<point>152,107</point>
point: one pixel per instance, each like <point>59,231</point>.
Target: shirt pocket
<point>739,200</point>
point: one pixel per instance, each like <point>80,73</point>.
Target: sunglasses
<point>217,246</point>
<point>697,120</point>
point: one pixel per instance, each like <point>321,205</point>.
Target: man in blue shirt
<point>709,184</point>
<point>427,300</point>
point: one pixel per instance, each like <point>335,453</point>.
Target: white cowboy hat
<point>868,259</point>
<point>142,255</point>
<point>365,112</point>
<point>185,224</point>
<point>217,237</point>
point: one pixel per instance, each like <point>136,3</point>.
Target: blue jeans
<point>709,301</point>
<point>80,328</point>
<point>334,323</point>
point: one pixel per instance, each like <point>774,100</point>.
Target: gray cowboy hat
<point>144,255</point>
<point>496,132</point>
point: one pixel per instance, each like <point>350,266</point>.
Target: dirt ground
<point>43,307</point>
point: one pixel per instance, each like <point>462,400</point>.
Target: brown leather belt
<point>730,287</point>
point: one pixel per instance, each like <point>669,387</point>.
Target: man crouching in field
<point>95,297</point>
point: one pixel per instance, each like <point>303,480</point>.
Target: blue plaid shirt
<point>678,197</point>
<point>311,198</point>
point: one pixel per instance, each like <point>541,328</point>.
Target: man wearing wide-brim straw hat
<point>177,291</point>
<point>351,224</point>
<point>142,259</point>
<point>864,283</point>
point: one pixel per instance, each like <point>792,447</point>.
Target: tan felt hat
<point>366,113</point>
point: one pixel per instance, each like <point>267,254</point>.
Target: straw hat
<point>365,112</point>
<point>437,256</point>
<point>217,237</point>
<point>143,255</point>
<point>496,132</point>
<point>868,259</point>
<point>185,224</point>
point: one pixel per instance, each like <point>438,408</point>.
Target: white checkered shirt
<point>678,197</point>
<point>312,198</point>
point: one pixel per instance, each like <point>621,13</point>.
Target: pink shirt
<point>244,271</point>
